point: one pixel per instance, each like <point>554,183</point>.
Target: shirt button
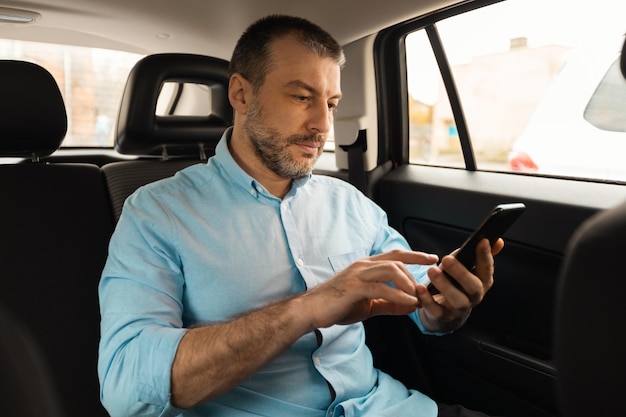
<point>317,361</point>
<point>300,262</point>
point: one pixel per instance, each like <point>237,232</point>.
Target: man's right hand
<point>378,285</point>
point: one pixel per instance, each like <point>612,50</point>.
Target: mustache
<point>312,138</point>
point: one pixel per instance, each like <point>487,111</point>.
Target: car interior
<point>545,342</point>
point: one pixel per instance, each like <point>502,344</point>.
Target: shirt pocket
<point>344,260</point>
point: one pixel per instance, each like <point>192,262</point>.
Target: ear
<point>239,93</point>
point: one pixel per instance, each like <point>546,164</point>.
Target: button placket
<point>293,237</point>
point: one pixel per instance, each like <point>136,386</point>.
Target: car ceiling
<point>197,26</point>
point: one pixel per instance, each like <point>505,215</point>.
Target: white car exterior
<point>579,128</point>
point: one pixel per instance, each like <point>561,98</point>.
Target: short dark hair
<point>251,57</point>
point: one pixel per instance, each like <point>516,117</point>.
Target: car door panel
<point>501,361</point>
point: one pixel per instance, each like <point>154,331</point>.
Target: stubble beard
<point>273,148</point>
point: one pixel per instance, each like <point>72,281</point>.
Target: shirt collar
<point>225,159</point>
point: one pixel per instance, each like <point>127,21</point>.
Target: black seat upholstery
<point>589,344</point>
<point>27,387</point>
<point>165,144</point>
<point>57,222</point>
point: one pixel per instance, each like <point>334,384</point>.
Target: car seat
<point>166,143</point>
<point>56,224</point>
<point>27,387</point>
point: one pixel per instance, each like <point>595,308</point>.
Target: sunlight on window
<point>91,82</point>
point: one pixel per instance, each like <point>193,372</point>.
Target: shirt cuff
<point>171,411</point>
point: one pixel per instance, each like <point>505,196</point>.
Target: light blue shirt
<point>211,243</point>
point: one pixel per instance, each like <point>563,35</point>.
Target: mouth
<point>309,147</point>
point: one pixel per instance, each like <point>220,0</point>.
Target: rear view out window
<point>91,82</point>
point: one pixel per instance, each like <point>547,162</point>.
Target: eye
<point>332,106</point>
<point>302,99</point>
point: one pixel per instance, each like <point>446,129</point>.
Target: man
<point>237,288</point>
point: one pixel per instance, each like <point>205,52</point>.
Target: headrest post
<point>202,152</point>
<point>34,157</point>
<point>164,154</point>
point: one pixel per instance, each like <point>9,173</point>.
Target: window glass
<point>91,82</point>
<point>184,99</point>
<point>433,138</point>
<point>540,89</point>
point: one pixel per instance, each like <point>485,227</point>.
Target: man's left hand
<point>449,309</point>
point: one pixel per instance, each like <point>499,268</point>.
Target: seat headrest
<point>34,121</point>
<point>140,131</point>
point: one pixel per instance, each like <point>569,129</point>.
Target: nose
<point>321,118</point>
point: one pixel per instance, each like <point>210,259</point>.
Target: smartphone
<point>493,227</point>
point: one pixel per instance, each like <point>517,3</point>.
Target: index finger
<point>407,257</point>
<point>400,258</point>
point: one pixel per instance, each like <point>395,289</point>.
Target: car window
<point>538,94</point>
<point>433,137</point>
<point>91,81</point>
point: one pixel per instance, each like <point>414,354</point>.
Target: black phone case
<point>493,227</point>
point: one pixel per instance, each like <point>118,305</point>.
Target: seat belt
<point>356,168</point>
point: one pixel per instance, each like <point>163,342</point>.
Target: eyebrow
<point>301,84</point>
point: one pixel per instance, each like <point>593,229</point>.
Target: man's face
<point>289,119</point>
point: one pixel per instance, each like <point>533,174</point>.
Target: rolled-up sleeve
<point>140,292</point>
